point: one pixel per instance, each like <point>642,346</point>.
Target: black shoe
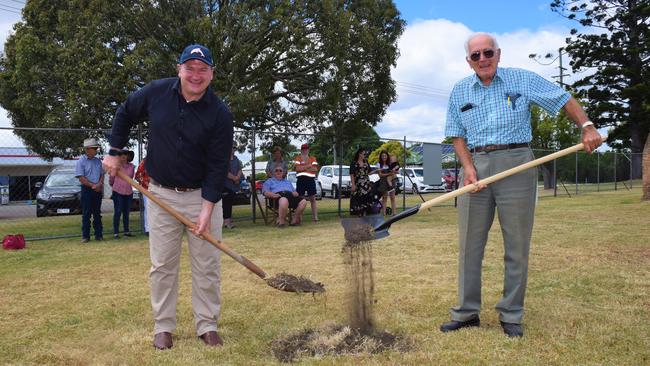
<point>127,233</point>
<point>512,330</point>
<point>116,236</point>
<point>84,240</point>
<point>100,238</point>
<point>455,325</point>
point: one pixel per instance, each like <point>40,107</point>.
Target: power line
<point>11,7</point>
<point>8,10</point>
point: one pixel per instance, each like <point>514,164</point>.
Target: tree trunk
<point>547,174</point>
<point>646,169</point>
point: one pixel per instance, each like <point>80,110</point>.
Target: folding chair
<point>271,213</point>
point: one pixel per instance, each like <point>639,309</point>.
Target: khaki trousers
<point>514,200</point>
<point>165,238</point>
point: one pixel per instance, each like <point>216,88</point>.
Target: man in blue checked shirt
<point>283,196</point>
<point>488,117</point>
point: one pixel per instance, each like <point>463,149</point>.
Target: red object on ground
<point>13,242</point>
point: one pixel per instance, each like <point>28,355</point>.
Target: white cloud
<point>432,60</point>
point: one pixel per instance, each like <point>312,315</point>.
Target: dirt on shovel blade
<point>335,340</point>
<point>287,282</point>
<point>359,233</point>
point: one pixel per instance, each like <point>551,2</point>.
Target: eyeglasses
<point>199,70</point>
<point>278,170</point>
<point>475,56</point>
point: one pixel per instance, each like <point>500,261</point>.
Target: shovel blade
<point>364,228</point>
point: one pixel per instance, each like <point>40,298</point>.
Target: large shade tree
<point>281,65</point>
<point>614,45</point>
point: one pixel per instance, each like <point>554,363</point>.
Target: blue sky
<point>432,56</point>
<point>491,16</point>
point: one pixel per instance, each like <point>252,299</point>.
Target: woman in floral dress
<point>363,196</point>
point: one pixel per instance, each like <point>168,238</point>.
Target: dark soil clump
<point>335,340</point>
<point>287,282</point>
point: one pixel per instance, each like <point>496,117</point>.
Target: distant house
<point>260,167</point>
<point>21,170</point>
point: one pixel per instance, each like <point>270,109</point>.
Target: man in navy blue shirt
<point>488,118</point>
<point>190,139</point>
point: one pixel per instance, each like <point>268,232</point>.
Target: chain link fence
<point>25,190</point>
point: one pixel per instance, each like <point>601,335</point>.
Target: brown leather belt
<point>177,189</point>
<point>488,148</point>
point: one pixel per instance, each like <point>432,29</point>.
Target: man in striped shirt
<point>488,117</point>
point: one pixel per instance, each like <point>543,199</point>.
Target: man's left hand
<point>203,223</point>
<point>591,139</point>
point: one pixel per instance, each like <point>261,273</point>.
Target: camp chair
<point>271,213</point>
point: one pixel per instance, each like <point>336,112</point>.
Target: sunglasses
<point>278,170</point>
<point>475,56</point>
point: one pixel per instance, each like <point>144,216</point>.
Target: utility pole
<point>561,68</point>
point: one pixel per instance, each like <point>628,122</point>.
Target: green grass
<point>587,302</point>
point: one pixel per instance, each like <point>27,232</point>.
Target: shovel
<point>375,227</point>
<point>283,281</point>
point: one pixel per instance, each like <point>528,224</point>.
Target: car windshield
<point>292,178</point>
<point>62,180</point>
<point>346,171</point>
<point>419,172</point>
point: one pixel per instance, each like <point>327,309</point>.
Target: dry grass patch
<point>62,303</point>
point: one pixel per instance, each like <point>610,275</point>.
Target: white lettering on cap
<point>197,50</point>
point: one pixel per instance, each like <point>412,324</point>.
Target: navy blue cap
<point>196,52</point>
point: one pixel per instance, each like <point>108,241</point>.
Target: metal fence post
<point>597,171</point>
<point>555,178</point>
<point>338,191</point>
<point>615,173</point>
<point>576,175</point>
<point>253,184</point>
<point>404,181</point>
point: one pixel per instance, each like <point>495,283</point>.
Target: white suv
<point>416,183</point>
<point>328,180</point>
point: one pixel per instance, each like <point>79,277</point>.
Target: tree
<point>285,66</point>
<point>328,150</point>
<point>551,133</point>
<point>619,86</point>
<point>394,148</point>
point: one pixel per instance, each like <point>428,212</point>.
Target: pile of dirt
<point>335,340</point>
<point>359,233</point>
<point>287,282</point>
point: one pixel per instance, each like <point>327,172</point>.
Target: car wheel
<point>41,213</point>
<point>319,196</point>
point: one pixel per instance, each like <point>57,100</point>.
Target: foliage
<point>394,148</point>
<point>619,85</point>
<point>282,65</point>
<point>332,148</point>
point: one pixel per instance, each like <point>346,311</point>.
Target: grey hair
<point>495,44</point>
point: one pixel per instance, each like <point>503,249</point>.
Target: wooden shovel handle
<point>187,222</point>
<point>503,174</point>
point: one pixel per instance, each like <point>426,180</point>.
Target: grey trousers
<point>514,200</point>
<point>165,240</point>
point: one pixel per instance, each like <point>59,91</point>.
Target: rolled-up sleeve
<point>547,94</point>
<point>218,156</point>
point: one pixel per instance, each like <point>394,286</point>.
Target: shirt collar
<point>497,75</point>
<point>204,98</point>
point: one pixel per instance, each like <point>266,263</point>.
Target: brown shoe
<point>162,340</point>
<point>212,339</point>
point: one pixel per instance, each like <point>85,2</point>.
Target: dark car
<point>60,194</point>
<point>243,196</point>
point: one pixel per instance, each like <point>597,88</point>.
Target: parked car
<point>60,194</point>
<point>416,182</point>
<point>291,177</point>
<point>243,196</point>
<point>328,180</point>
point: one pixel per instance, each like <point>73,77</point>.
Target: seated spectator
<point>283,196</point>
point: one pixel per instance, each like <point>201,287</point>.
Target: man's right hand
<point>111,164</point>
<point>470,178</point>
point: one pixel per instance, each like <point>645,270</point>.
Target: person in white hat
<point>91,176</point>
